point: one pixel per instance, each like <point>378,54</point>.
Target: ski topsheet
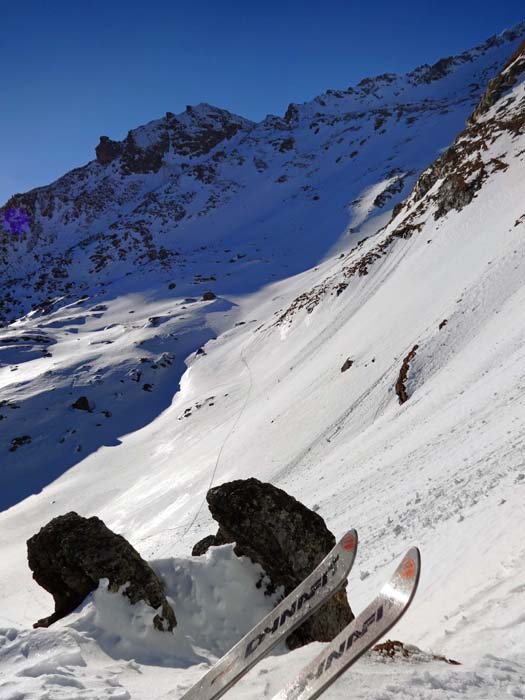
<point>357,637</point>
<point>302,602</point>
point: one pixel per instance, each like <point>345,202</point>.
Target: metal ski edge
<point>359,636</point>
<point>316,589</point>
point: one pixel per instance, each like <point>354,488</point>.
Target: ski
<point>357,637</point>
<point>302,602</point>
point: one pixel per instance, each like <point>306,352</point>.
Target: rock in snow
<point>287,539</point>
<point>71,554</point>
<point>81,404</point>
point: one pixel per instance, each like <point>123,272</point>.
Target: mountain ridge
<point>209,178</point>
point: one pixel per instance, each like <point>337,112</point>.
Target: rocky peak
<point>193,133</point>
<point>428,74</point>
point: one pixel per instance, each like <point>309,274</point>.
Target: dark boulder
<point>288,541</point>
<point>208,296</point>
<point>346,365</point>
<point>81,404</point>
<point>71,554</point>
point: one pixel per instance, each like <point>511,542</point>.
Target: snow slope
<point>267,398</point>
<point>202,201</point>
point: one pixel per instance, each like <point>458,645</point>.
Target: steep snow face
<point>109,288</point>
<point>266,200</point>
<point>439,293</point>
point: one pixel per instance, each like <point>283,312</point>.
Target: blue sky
<point>71,71</point>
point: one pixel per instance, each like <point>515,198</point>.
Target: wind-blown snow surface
<point>268,399</point>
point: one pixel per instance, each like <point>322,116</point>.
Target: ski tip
<point>350,540</point>
<point>414,554</point>
<point>408,572</point>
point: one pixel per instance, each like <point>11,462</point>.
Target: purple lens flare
<point>16,220</point>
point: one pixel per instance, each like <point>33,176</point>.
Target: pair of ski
<point>337,656</point>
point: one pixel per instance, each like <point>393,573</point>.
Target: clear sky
<point>71,70</point>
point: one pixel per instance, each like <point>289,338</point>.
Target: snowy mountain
<point>267,200</point>
<point>368,230</point>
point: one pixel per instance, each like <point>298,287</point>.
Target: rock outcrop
<point>194,133</point>
<point>461,170</point>
<point>143,159</point>
<point>288,541</point>
<point>401,388</point>
<point>502,83</point>
<point>71,554</point>
<point>107,150</point>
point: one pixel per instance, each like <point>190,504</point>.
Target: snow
<point>107,627</point>
<point>268,399</point>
